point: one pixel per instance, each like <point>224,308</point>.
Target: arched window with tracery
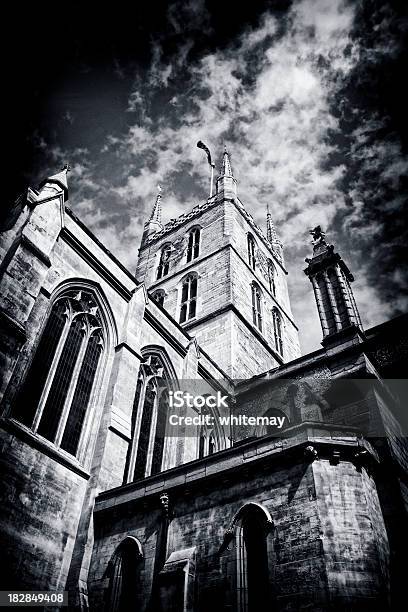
<point>248,545</point>
<point>251,251</point>
<point>164,262</point>
<point>193,247</point>
<point>272,278</point>
<point>159,296</point>
<point>122,572</point>
<point>208,440</point>
<point>149,420</point>
<point>277,330</point>
<point>188,306</point>
<point>256,306</point>
<point>212,437</point>
<point>55,395</point>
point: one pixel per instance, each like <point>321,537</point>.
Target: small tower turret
<point>154,224</point>
<point>272,236</point>
<point>226,183</point>
<point>331,280</point>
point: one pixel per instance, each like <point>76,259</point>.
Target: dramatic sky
<point>309,97</point>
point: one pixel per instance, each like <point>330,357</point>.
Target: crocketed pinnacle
<point>271,234</point>
<point>156,212</point>
<point>226,164</point>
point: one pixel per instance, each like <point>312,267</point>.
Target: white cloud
<point>269,96</point>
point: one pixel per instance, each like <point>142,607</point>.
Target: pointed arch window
<point>272,277</point>
<point>164,263</point>
<point>149,420</point>
<point>277,330</point>
<point>251,251</point>
<point>122,571</point>
<point>193,247</point>
<point>159,296</point>
<point>208,442</point>
<point>55,395</point>
<point>188,308</point>
<point>252,565</point>
<point>256,306</point>
<point>249,566</point>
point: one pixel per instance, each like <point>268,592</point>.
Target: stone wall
<point>224,283</point>
<point>48,499</point>
<point>326,524</point>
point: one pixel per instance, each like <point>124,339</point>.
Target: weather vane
<point>204,147</point>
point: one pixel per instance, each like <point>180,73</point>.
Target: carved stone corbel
<point>164,500</point>
<point>311,453</point>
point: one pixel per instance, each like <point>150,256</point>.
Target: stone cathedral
<point>101,500</point>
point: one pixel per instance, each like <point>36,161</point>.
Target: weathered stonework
<point>329,490</point>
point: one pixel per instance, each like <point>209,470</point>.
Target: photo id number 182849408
<point>33,598</point>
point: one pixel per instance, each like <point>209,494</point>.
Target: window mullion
<point>72,387</point>
<point>136,432</point>
<point>207,443</point>
<point>152,436</point>
<point>53,369</point>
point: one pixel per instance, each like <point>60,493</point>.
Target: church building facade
<point>103,499</point>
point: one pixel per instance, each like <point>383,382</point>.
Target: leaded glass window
<point>277,330</point>
<point>253,565</point>
<point>122,572</point>
<point>207,438</point>
<point>252,581</point>
<point>55,395</point>
<point>193,248</point>
<point>272,277</point>
<point>251,251</point>
<point>149,420</point>
<point>188,307</point>
<point>256,306</point>
<point>164,263</point>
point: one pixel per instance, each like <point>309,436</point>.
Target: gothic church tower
<point>223,280</point>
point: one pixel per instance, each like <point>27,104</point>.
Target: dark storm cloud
<point>372,106</point>
<point>306,94</point>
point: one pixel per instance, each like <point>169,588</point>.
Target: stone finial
<point>156,212</point>
<point>58,180</point>
<point>270,227</point>
<point>154,224</point>
<point>319,240</point>
<point>318,234</point>
<point>272,236</point>
<point>226,169</point>
<point>226,182</point>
